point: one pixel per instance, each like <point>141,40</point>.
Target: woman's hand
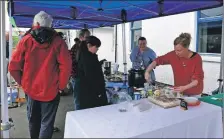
<point>180,89</point>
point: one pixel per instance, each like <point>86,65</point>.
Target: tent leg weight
<point>7,126</point>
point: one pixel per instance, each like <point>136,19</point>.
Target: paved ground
<point>18,115</point>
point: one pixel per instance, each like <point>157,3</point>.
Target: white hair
<point>44,19</point>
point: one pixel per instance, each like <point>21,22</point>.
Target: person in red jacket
<point>41,64</point>
<point>186,65</point>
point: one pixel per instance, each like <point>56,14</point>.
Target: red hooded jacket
<point>41,69</point>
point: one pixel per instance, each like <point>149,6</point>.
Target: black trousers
<point>41,117</point>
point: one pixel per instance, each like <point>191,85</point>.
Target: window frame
<point>206,20</point>
<point>133,29</point>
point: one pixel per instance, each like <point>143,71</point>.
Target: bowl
<point>192,101</point>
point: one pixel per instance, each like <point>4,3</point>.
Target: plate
<point>192,101</point>
<point>139,89</point>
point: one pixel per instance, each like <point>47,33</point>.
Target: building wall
<point>160,34</point>
<point>106,51</point>
<point>120,46</point>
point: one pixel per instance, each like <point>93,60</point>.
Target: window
<point>210,37</point>
<point>211,12</point>
<point>136,32</point>
<point>209,31</point>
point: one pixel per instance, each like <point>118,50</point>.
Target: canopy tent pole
<point>10,53</point>
<point>10,33</point>
<point>221,75</point>
<point>68,39</point>
<point>115,44</point>
<point>124,20</point>
<point>4,100</point>
<point>221,84</point>
<point>124,53</point>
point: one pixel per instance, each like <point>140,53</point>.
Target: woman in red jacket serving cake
<point>186,65</point>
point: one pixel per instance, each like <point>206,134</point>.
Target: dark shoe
<point>56,129</point>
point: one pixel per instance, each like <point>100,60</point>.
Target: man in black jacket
<point>75,51</point>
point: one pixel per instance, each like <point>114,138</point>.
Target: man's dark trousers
<point>41,117</point>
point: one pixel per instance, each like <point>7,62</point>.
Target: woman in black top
<point>92,83</point>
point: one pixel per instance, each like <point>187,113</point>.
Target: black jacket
<point>92,83</point>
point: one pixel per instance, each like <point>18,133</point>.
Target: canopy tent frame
<point>4,95</point>
<point>101,13</point>
<point>221,74</point>
<point>85,23</point>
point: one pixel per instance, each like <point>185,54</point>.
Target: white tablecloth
<point>204,121</point>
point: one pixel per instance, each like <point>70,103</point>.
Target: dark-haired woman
<point>92,84</point>
<point>186,65</point>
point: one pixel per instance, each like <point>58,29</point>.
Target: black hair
<point>61,34</point>
<point>142,39</point>
<point>94,41</point>
<point>76,40</point>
